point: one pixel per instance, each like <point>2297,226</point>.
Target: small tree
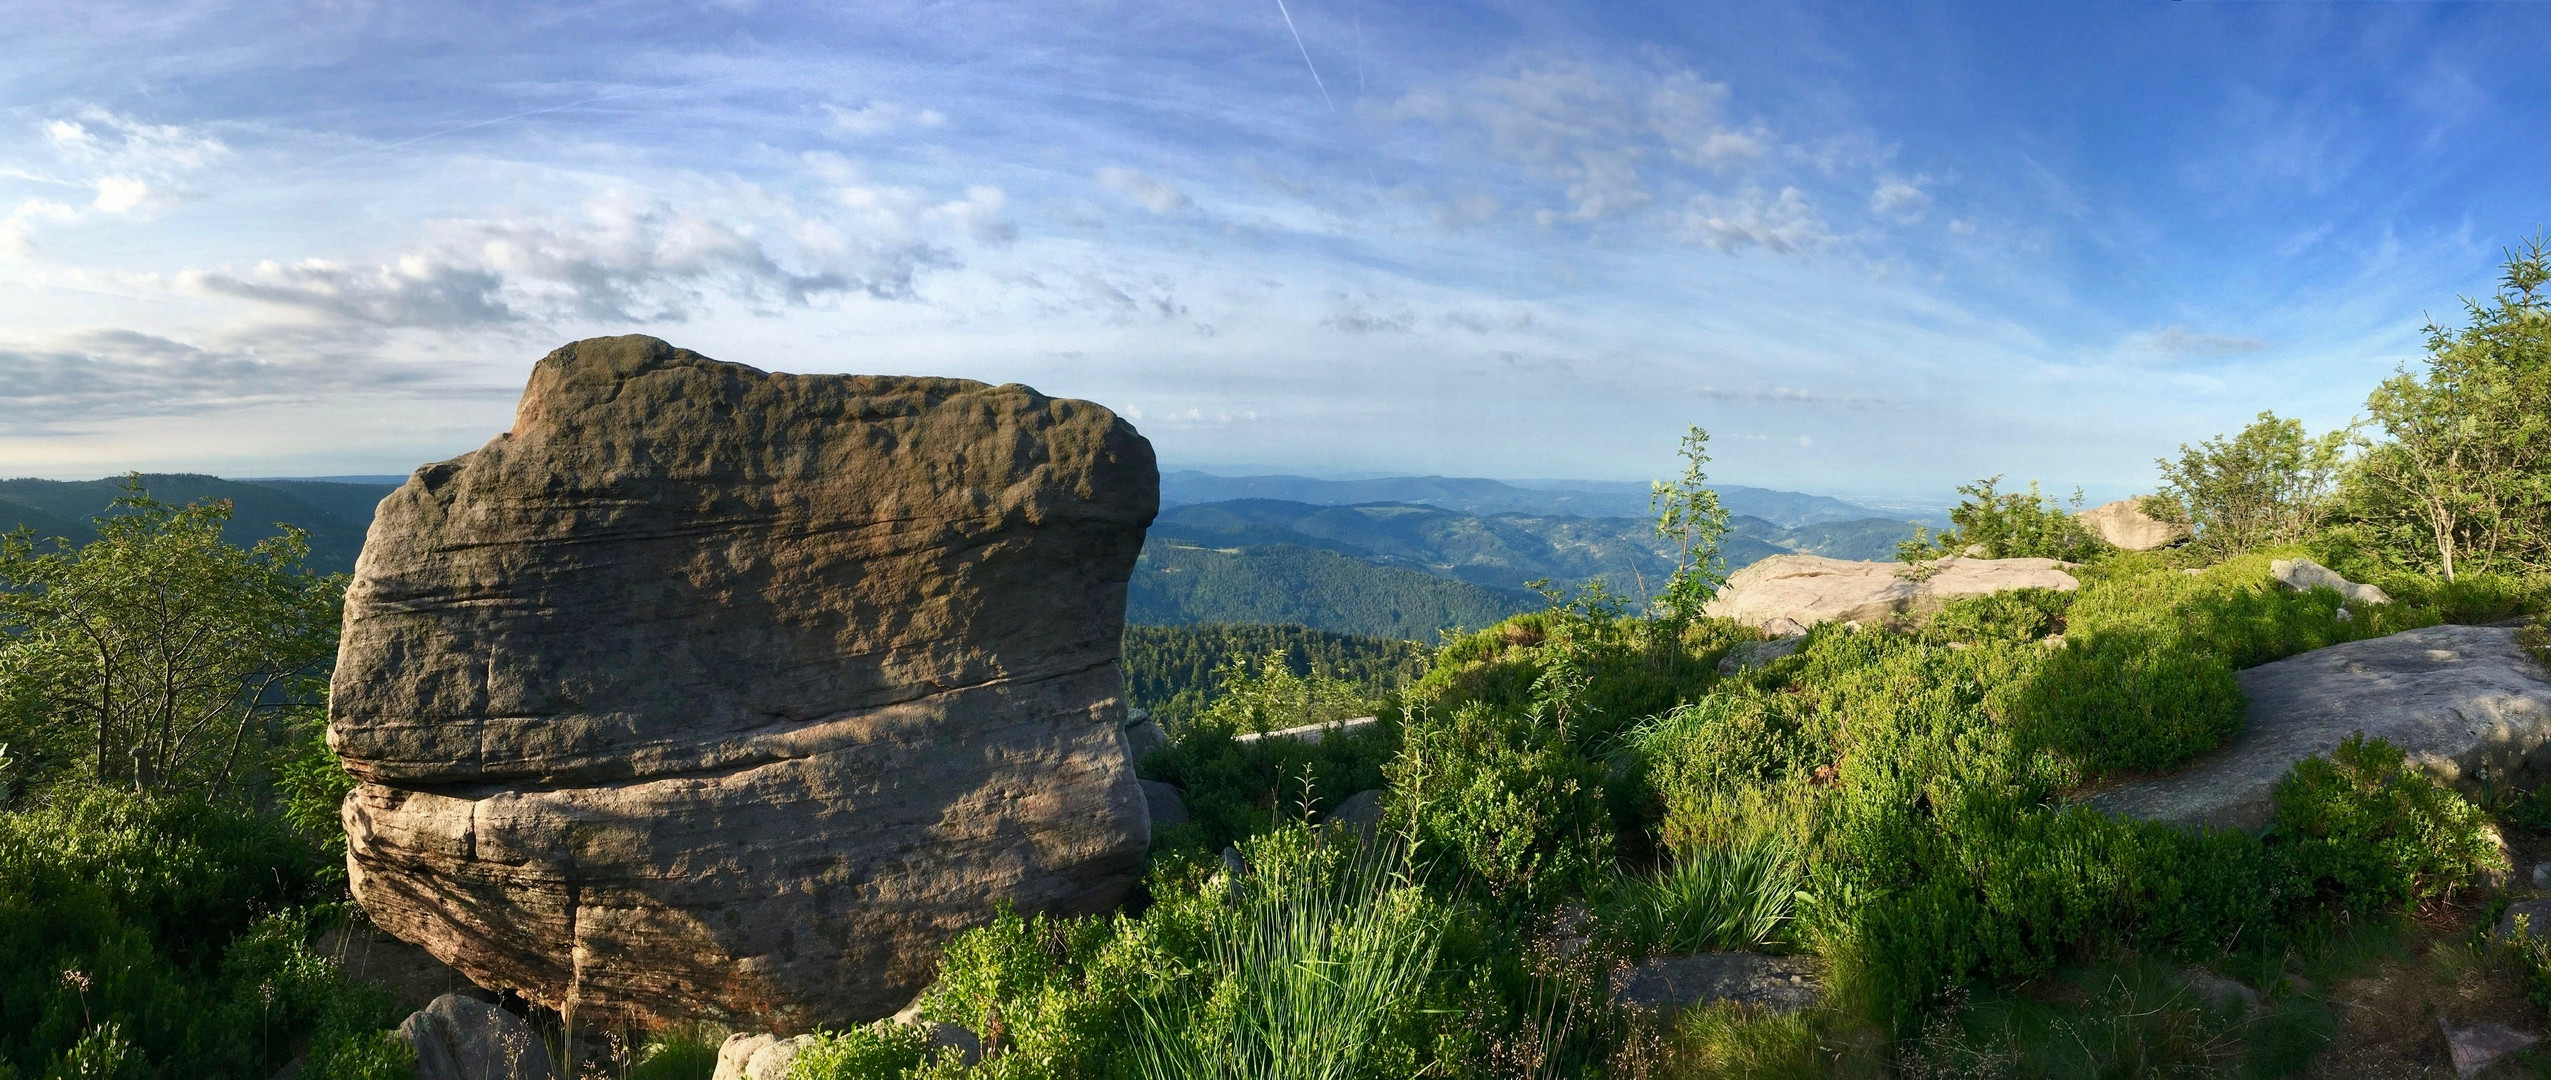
<point>2270,484</point>
<point>1689,516</point>
<point>1997,524</point>
<point>2466,473</point>
<point>157,649</point>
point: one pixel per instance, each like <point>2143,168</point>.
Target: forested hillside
<point>1179,584</point>
<point>1175,670</point>
<point>1473,495</point>
<point>1501,551</point>
<point>336,514</point>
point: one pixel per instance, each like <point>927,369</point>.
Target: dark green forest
<point>1175,671</point>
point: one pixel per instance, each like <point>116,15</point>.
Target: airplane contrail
<point>1306,56</point>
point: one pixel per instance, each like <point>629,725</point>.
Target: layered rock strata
<point>711,692</point>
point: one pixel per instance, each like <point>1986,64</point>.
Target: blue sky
<point>1874,248</point>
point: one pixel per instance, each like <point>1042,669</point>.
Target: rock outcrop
<point>2463,702</point>
<point>2304,575</point>
<point>1809,589</point>
<point>709,692</point>
<point>2123,524</point>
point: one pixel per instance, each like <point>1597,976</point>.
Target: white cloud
<point>1783,223</point>
<point>1900,198</point>
<point>1148,192</point>
<point>2180,341</point>
<point>130,169</point>
<point>623,258</point>
<point>86,377</point>
<point>881,117</point>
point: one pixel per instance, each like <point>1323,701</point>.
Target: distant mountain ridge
<point>337,515</point>
<point>1475,495</point>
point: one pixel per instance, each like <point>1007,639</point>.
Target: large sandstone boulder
<point>1809,589</point>
<point>707,692</point>
<point>2463,702</point>
<point>2125,525</point>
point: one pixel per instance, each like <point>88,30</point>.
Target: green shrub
<point>2360,830</point>
<point>185,924</point>
<point>687,1052</point>
<point>2011,615</point>
<point>882,1051</point>
<point>2008,525</point>
<point>1503,801</point>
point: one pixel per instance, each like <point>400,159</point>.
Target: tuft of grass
<point>1319,957</point>
<point>1736,896</point>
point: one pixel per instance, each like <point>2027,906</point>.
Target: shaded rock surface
<point>2480,1045</point>
<point>1754,654</point>
<point>1361,811</point>
<point>2461,701</point>
<point>413,976</point>
<point>2123,524</point>
<point>710,692</point>
<point>1166,805</point>
<point>459,1038</point>
<point>2535,915</point>
<point>1781,984</point>
<point>1809,589</point>
<point>2304,575</point>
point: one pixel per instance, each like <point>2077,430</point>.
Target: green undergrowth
<point>144,938</point>
<point>1576,789</point>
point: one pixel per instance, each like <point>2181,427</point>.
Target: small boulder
<point>943,1034</point>
<point>2480,1045</point>
<point>758,1057</point>
<point>2304,575</point>
<point>1780,984</point>
<point>1142,734</point>
<point>459,1038</point>
<point>2222,994</point>
<point>2462,702</point>
<point>1167,808</point>
<point>1754,654</point>
<point>2123,524</point>
<point>1798,591</point>
<point>1361,812</point>
<point>2534,914</point>
<point>2542,875</point>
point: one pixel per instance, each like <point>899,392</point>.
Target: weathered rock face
<point>2461,701</point>
<point>1809,589</point>
<point>2125,525</point>
<point>706,692</point>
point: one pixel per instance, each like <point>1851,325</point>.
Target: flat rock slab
<point>2462,702</point>
<point>1781,984</point>
<point>1796,591</point>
